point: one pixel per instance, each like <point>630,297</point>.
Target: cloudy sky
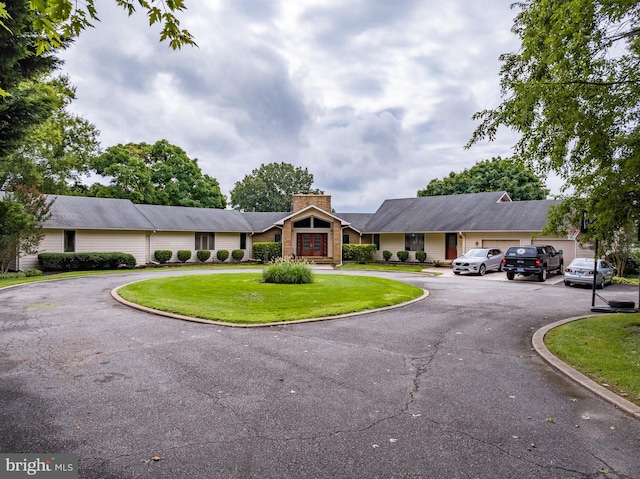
<point>373,97</point>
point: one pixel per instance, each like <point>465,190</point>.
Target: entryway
<point>312,244</point>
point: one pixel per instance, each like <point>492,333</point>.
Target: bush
<point>421,256</point>
<point>387,255</point>
<point>403,255</point>
<point>222,255</point>
<point>288,271</point>
<point>203,255</point>
<point>184,255</point>
<point>358,252</point>
<point>85,261</point>
<point>267,251</point>
<point>237,255</point>
<point>162,255</point>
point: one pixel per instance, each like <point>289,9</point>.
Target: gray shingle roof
<point>261,222</point>
<point>467,212</point>
<point>358,220</point>
<point>182,218</point>
<point>79,212</point>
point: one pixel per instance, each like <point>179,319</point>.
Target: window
<point>376,241</point>
<point>414,242</point>
<point>243,240</point>
<point>305,223</point>
<point>205,241</point>
<point>318,223</point>
<point>346,239</point>
<point>69,241</point>
<point>277,237</point>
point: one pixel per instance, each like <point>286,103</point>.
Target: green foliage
<point>267,250</point>
<point>386,254</point>
<point>271,187</point>
<point>162,255</point>
<point>29,273</point>
<point>203,255</point>
<point>237,255</point>
<point>571,93</point>
<point>184,255</point>
<point>496,174</point>
<point>361,253</point>
<point>288,271</point>
<point>421,256</point>
<point>85,261</point>
<point>22,213</point>
<point>222,255</point>
<point>158,174</point>
<point>403,255</point>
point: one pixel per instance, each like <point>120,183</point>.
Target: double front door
<point>312,244</point>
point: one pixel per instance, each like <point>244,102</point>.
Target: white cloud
<point>374,97</point>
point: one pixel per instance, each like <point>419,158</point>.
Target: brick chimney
<point>301,201</point>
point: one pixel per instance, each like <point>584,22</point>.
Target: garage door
<point>503,245</point>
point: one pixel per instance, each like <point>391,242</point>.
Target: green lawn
<point>401,268</point>
<point>243,298</point>
<point>604,348</point>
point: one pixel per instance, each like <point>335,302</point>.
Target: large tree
<point>270,187</point>
<point>572,91</point>
<point>54,154</point>
<point>496,174</point>
<point>158,174</point>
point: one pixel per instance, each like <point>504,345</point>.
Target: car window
<point>582,263</point>
<point>551,250</point>
<point>522,251</point>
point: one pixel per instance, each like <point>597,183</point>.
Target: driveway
<point>448,387</point>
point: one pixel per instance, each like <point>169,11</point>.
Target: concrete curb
<point>541,349</point>
<point>120,299</point>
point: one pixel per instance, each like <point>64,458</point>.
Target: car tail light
<point>537,262</point>
<point>504,261</point>
<point>567,270</point>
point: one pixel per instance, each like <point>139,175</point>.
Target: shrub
<point>387,255</point>
<point>237,255</point>
<point>288,271</point>
<point>162,255</point>
<point>403,255</point>
<point>203,255</point>
<point>358,252</point>
<point>85,261</point>
<point>421,256</point>
<point>184,255</point>
<point>222,255</point>
<point>267,250</point>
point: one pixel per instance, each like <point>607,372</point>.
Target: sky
<point>373,97</point>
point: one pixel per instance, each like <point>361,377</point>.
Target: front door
<point>451,240</point>
<point>312,244</point>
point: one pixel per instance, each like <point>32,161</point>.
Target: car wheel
<point>567,283</point>
<point>500,267</point>
<point>510,275</point>
<point>456,272</point>
<point>601,284</point>
<point>542,275</point>
<point>482,270</point>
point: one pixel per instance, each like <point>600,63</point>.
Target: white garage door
<point>502,244</point>
<point>567,247</point>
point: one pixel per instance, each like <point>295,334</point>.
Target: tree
<point>496,174</point>
<point>22,213</point>
<point>57,20</point>
<point>158,174</point>
<point>56,153</point>
<point>573,93</point>
<point>25,101</point>
<point>270,188</point>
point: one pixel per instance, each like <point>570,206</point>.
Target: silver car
<point>580,271</point>
<point>478,261</point>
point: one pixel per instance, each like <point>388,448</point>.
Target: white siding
<point>393,242</point>
<point>51,243</point>
<point>230,241</point>
<point>173,241</point>
<point>435,246</point>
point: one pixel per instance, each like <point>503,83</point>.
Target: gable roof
<point>467,212</point>
<point>263,221</point>
<point>357,221</point>
<point>309,208</point>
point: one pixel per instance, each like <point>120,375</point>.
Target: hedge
<point>203,254</point>
<point>184,255</point>
<point>358,252</point>
<point>288,271</point>
<point>85,261</point>
<point>403,255</point>
<point>162,255</point>
<point>222,255</point>
<point>237,255</point>
<point>267,251</point>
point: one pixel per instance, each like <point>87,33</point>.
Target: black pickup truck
<point>532,260</point>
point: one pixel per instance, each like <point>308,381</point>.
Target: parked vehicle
<point>580,271</point>
<point>532,260</point>
<point>478,261</point>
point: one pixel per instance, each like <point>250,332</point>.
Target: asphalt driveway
<point>448,387</point>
